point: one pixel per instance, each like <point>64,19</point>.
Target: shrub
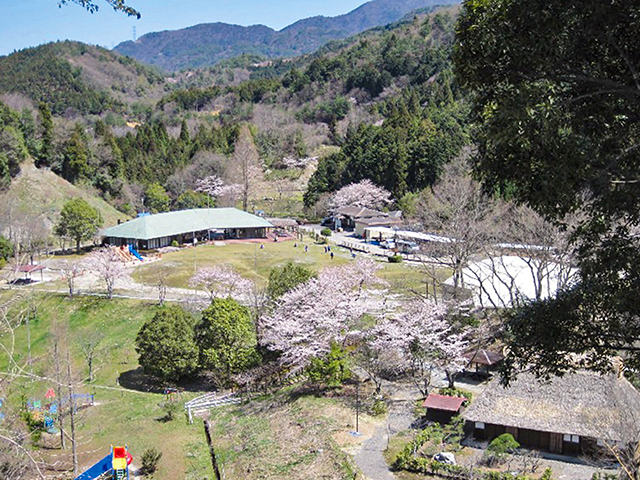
<point>395,258</point>
<point>498,450</point>
<point>503,444</point>
<point>174,243</point>
<point>331,369</point>
<point>325,232</point>
<point>150,459</point>
<point>170,410</point>
<point>378,407</point>
<point>456,392</point>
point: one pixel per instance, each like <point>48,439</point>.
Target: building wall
<point>535,439</point>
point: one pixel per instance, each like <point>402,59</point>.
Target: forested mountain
<point>381,105</point>
<point>208,43</point>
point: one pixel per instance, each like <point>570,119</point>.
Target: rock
<point>445,457</point>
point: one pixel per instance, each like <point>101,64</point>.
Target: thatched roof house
<point>571,414</point>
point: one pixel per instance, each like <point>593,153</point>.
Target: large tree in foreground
<point>166,344</point>
<point>557,105</point>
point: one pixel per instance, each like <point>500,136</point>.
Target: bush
<point>325,232</point>
<point>331,369</point>
<point>170,410</point>
<point>150,459</point>
<point>503,444</point>
<point>395,258</point>
<point>174,243</point>
<point>378,407</point>
<point>456,392</point>
<point>498,449</point>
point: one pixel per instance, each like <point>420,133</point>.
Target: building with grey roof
<point>575,414</point>
<point>159,230</point>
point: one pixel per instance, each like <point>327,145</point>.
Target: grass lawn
<point>287,435</point>
<point>119,416</point>
<point>255,263</point>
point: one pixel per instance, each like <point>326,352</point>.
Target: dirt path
<point>370,457</point>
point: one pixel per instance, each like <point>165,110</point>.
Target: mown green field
<point>255,263</point>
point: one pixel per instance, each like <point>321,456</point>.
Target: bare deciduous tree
<point>457,209</point>
<point>246,164</point>
<point>106,263</point>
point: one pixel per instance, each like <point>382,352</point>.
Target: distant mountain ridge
<point>207,43</point>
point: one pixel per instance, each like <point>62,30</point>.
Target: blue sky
<point>27,23</point>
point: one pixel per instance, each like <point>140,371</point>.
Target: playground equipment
<point>134,252</point>
<point>116,465</point>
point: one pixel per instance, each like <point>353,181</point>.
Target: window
<point>575,439</point>
<point>566,438</point>
<point>480,425</point>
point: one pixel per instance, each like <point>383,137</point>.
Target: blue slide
<point>100,468</point>
<point>133,252</point>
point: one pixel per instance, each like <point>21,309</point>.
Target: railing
<point>207,401</point>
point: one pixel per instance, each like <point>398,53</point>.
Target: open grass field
<point>292,434</point>
<point>255,263</point>
<point>120,416</point>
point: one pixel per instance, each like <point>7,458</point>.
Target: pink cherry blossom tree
<point>212,185</point>
<point>362,194</point>
<point>307,319</point>
<point>221,281</point>
<point>108,265</point>
<point>419,339</point>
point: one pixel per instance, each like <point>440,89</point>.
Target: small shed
<point>441,408</point>
<point>29,269</point>
<point>483,360</point>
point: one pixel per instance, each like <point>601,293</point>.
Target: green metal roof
<point>184,221</point>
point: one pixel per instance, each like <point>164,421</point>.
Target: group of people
<point>327,249</point>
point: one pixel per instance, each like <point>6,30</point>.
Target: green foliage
<point>150,459</point>
<point>403,155</point>
<point>325,232</point>
<point>395,258</point>
<point>284,279</point>
<point>456,392</point>
<point>35,427</point>
<point>226,338</point>
<point>79,221</point>
<point>6,248</point>
<point>378,408</point>
<point>76,156</point>
<point>156,198</point>
<point>331,370</point>
<point>191,199</point>
<point>503,444</point>
<point>170,409</point>
<point>547,474</point>
<point>499,449</point>
<point>44,75</point>
<point>166,345</point>
<point>552,105</point>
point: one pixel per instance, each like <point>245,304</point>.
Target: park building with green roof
<point>160,230</point>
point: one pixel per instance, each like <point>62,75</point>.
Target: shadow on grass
<point>138,380</point>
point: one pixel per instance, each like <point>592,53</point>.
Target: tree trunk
<point>74,450</point>
<point>56,354</point>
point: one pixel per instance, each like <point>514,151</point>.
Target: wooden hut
<point>441,408</point>
<point>483,360</point>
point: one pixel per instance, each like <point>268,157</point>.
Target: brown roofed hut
<point>483,360</point>
<point>441,408</point>
<point>574,415</point>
